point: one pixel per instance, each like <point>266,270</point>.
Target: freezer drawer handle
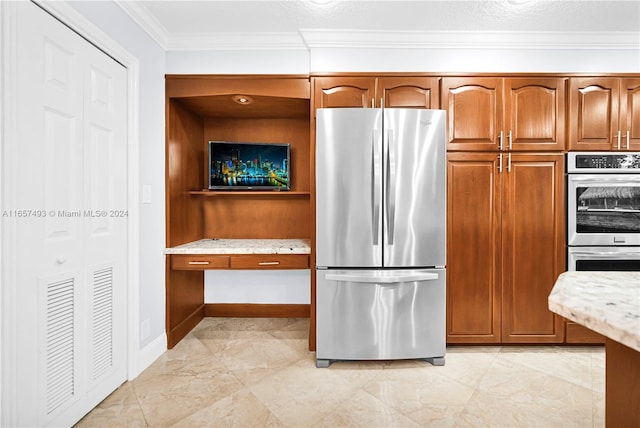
<point>401,277</point>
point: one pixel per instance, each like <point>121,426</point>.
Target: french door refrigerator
<point>380,234</point>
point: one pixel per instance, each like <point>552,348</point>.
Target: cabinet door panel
<point>474,112</point>
<point>473,248</point>
<point>630,114</point>
<point>409,92</point>
<point>533,246</point>
<point>593,109</point>
<point>534,113</point>
<point>331,92</point>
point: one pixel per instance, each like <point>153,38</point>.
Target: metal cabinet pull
<point>618,139</point>
<point>198,263</point>
<point>510,140</point>
<point>501,141</point>
<point>509,162</point>
<point>628,143</point>
<point>500,163</point>
<point>268,263</point>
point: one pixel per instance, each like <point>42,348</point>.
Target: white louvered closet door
<point>69,166</point>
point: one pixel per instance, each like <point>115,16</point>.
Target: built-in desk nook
<point>207,254</point>
<point>266,228</point>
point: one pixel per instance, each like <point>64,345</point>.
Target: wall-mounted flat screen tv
<point>249,166</point>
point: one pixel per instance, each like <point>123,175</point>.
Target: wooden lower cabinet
<point>473,246</point>
<point>505,246</point>
<point>577,334</point>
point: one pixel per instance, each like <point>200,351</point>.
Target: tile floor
<point>239,372</point>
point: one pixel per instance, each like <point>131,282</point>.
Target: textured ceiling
<point>481,15</point>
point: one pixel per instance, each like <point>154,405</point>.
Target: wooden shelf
<point>276,193</point>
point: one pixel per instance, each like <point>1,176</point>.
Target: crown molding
<point>235,41</point>
<point>146,21</point>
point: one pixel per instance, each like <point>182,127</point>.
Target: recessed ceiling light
<point>242,99</point>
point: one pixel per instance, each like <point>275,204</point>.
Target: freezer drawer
<point>380,315</point>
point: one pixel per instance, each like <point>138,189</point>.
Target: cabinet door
<point>343,92</point>
<point>474,112</point>
<point>473,248</point>
<point>534,113</point>
<point>533,246</point>
<point>630,114</point>
<point>593,113</point>
<point>408,92</point>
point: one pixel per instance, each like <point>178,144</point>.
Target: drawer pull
<point>198,263</point>
<point>268,263</point>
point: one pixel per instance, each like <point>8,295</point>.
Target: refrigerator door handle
<point>376,180</point>
<point>390,278</point>
<point>391,187</point>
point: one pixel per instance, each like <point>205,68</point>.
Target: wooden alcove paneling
<point>200,109</point>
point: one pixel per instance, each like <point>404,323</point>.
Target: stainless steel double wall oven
<point>603,211</point>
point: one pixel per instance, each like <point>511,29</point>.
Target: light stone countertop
<point>243,246</point>
<point>605,302</point>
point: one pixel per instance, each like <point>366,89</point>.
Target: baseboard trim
<point>181,330</point>
<point>147,355</point>
<point>256,310</point>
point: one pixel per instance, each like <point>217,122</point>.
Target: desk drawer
<point>270,261</point>
<point>199,261</point>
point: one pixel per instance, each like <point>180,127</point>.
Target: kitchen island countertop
<point>608,303</point>
<point>605,302</point>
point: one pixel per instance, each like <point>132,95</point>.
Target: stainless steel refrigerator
<point>380,234</point>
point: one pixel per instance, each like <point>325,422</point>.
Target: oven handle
<point>606,253</point>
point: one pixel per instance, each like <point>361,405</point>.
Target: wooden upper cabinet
<point>604,113</point>
<point>408,92</point>
<point>331,92</point>
<point>370,92</point>
<point>534,114</point>
<point>594,111</point>
<point>630,114</point>
<point>474,112</point>
<point>490,114</point>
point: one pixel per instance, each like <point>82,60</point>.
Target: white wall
<point>479,60</point>
<point>116,23</point>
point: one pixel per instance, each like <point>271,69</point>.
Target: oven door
<point>603,209</point>
<point>604,258</point>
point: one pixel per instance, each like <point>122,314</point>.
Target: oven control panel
<point>603,161</point>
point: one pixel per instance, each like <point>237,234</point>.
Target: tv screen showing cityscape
<point>248,166</point>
